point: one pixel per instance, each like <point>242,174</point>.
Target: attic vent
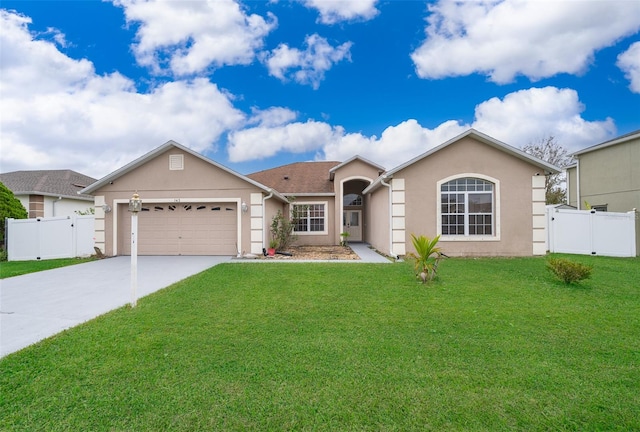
<point>176,162</point>
<point>286,177</point>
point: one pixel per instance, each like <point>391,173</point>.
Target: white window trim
<point>496,199</point>
<point>326,217</point>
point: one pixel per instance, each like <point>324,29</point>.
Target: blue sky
<point>91,85</point>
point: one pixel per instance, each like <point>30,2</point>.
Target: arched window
<point>467,207</point>
<point>352,199</point>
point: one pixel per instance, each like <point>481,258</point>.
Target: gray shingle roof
<point>63,183</point>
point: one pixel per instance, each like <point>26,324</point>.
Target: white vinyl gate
<point>49,238</point>
<point>589,232</point>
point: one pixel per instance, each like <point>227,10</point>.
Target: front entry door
<point>352,223</point>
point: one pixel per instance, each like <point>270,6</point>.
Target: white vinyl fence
<point>590,232</point>
<point>49,238</point>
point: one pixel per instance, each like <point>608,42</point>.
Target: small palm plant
<point>426,258</point>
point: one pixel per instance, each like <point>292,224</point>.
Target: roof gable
<point>352,159</point>
<point>619,140</point>
<point>478,136</point>
<point>299,178</point>
<point>162,149</point>
<point>59,183</point>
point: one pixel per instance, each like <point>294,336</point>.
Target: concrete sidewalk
<point>38,305</point>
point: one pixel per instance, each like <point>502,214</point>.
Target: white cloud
<point>629,62</point>
<point>333,11</point>
<point>526,116</point>
<point>396,145</point>
<point>195,35</point>
<point>503,39</point>
<point>308,66</point>
<point>518,119</point>
<point>35,64</point>
<point>274,116</point>
<point>57,113</point>
<point>263,141</point>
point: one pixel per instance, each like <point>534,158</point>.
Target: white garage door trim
<point>238,202</point>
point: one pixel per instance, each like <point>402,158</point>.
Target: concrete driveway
<point>38,305</point>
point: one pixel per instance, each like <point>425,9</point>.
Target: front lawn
<point>492,344</point>
<point>17,268</point>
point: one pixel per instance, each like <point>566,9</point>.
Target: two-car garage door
<point>181,229</point>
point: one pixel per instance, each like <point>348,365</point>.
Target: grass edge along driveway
<point>492,344</point>
<point>17,268</point>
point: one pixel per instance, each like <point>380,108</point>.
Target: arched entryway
<point>353,208</point>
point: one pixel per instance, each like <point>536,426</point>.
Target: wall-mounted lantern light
<point>244,207</point>
<point>106,208</point>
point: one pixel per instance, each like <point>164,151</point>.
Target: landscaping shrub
<point>426,258</point>
<point>568,271</point>
<point>282,231</point>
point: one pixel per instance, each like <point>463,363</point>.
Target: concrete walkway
<point>367,254</point>
<point>38,305</point>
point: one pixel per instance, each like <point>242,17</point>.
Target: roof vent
<point>286,177</point>
<point>176,162</point>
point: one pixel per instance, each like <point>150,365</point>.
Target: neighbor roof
<point>486,139</point>
<point>619,140</point>
<point>299,178</point>
<point>159,150</point>
<point>57,183</point>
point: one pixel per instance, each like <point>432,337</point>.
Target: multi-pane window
<point>309,218</point>
<point>352,200</point>
<point>467,207</point>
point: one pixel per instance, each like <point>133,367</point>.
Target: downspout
<point>53,206</point>
<point>264,218</point>
<point>578,184</point>
<point>384,177</point>
<point>566,177</point>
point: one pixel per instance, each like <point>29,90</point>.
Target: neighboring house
<point>484,197</point>
<point>50,193</point>
<point>606,177</point>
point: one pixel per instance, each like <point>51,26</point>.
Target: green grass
<point>17,268</point>
<point>491,345</point>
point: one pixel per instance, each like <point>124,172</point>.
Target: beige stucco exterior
<point>394,205</point>
<point>352,177</point>
<point>518,202</point>
<point>198,182</point>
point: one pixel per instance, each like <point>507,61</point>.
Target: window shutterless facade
<point>310,218</point>
<point>467,207</point>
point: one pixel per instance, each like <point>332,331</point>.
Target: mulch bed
<point>316,253</point>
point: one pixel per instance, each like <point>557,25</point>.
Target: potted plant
<point>273,245</point>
